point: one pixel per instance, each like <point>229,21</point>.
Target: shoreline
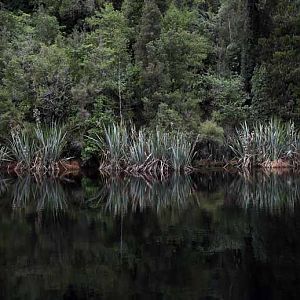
<point>76,168</point>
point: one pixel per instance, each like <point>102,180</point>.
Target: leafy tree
<point>46,27</point>
<point>229,100</point>
<point>174,63</point>
<point>150,28</point>
<point>276,80</point>
<point>179,56</point>
<point>106,66</point>
<point>51,83</point>
<point>35,75</point>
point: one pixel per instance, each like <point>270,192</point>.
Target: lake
<point>213,235</point>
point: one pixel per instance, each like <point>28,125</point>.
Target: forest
<point>170,70</point>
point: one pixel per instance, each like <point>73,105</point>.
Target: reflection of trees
<point>258,245</point>
<point>272,193</point>
<point>83,248</point>
<point>205,250</point>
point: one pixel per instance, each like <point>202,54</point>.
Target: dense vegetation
<point>194,66</point>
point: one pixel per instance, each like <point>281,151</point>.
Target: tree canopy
<point>174,64</point>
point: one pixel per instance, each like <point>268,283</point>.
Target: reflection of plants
<point>120,195</point>
<point>45,195</point>
<point>22,192</point>
<point>51,196</point>
<point>4,184</point>
<point>272,193</point>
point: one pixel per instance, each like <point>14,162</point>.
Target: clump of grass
<point>266,144</point>
<point>157,150</point>
<point>39,151</point>
<point>137,151</point>
<point>50,143</point>
<point>4,155</point>
<point>112,146</point>
<point>22,148</point>
<point>116,138</point>
<point>183,151</point>
<point>155,153</point>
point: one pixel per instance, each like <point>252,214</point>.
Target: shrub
<point>210,130</point>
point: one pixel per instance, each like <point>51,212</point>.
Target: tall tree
<point>276,79</point>
<point>149,31</point>
<point>106,65</point>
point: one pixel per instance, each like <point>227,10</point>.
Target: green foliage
<point>36,75</point>
<point>46,27</point>
<point>51,83</point>
<point>168,119</point>
<point>181,31</point>
<point>149,30</point>
<point>106,65</point>
<point>229,100</point>
<point>177,59</point>
<point>209,129</point>
<point>132,11</point>
<point>167,64</point>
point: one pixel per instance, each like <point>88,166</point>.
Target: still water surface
<point>210,236</point>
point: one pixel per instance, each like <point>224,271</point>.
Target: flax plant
<point>112,146</point>
<point>50,142</point>
<point>160,145</point>
<point>116,137</point>
<point>155,153</point>
<point>4,155</point>
<point>243,145</point>
<point>137,151</point>
<point>265,144</point>
<point>22,148</point>
<point>39,151</point>
<point>182,152</point>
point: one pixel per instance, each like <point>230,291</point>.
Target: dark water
<point>210,236</point>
